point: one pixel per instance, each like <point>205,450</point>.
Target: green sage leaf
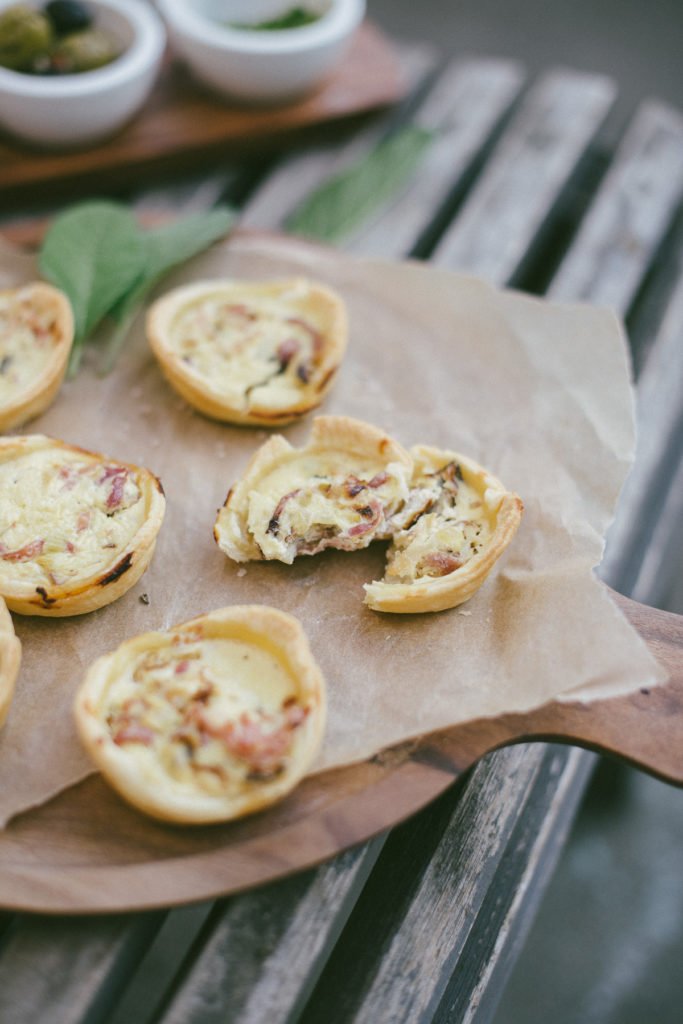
<point>344,202</point>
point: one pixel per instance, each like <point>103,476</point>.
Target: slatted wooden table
<point>424,923</point>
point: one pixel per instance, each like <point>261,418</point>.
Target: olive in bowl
<point>90,81</point>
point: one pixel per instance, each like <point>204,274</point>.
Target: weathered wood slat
<point>394,963</point>
<point>652,481</point>
<point>526,175</point>
<point>261,954</point>
<point>296,176</point>
<point>66,969</point>
<point>462,110</point>
<point>634,209</point>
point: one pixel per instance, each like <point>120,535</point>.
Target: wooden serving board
<point>88,852</point>
<point>183,125</point>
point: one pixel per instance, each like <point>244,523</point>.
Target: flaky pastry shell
<point>338,491</point>
<point>442,558</point>
<point>215,719</point>
<point>36,334</point>
<point>262,353</point>
<point>10,657</point>
<point>77,529</point>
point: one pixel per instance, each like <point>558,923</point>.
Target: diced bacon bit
<point>354,486</point>
<point>441,562</point>
<point>239,309</point>
<point>117,487</point>
<point>378,480</point>
<point>182,666</point>
<point>31,550</point>
<point>71,548</point>
<point>133,732</point>
<point>315,335</point>
<point>263,751</point>
<point>83,521</point>
<point>373,513</point>
<point>274,522</point>
<point>286,351</point>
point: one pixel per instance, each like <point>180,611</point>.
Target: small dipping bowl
<point>53,111</point>
<point>260,66</point>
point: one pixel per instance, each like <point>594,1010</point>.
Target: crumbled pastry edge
<point>432,594</point>
<point>328,433</point>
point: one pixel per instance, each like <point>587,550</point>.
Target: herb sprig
<point>106,264</point>
<point>332,212</point>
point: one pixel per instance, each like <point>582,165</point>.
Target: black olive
<point>67,16</point>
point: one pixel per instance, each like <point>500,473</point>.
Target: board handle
<point>643,728</point>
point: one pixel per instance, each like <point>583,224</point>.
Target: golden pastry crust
<point>10,657</point>
<point>215,719</point>
<point>262,353</point>
<point>36,334</point>
<point>339,491</point>
<point>458,522</point>
<point>77,529</point>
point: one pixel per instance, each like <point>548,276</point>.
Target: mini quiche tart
<point>339,491</point>
<point>36,333</point>
<point>10,656</point>
<point>260,353</point>
<point>77,529</point>
<point>215,719</point>
<point>458,521</point>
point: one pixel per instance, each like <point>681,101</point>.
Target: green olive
<point>84,51</point>
<point>25,35</point>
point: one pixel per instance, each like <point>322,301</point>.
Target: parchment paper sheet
<point>539,393</point>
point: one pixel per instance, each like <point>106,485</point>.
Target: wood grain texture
<point>260,955</point>
<point>526,174</point>
<point>86,851</point>
<point>182,126</point>
<point>633,209</point>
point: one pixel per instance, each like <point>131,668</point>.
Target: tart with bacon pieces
<point>458,521</point>
<point>215,719</point>
<point>262,353</point>
<point>339,491</point>
<point>36,334</point>
<point>77,529</point>
<point>10,657</point>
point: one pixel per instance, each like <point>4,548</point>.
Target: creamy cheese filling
<point>27,336</point>
<point>309,509</point>
<point>213,713</point>
<point>444,525</point>
<point>239,347</point>
<point>64,516</point>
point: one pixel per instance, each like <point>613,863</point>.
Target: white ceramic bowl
<point>260,66</point>
<point>73,110</point>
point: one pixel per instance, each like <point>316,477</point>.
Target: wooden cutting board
<point>183,125</point>
<point>87,852</point>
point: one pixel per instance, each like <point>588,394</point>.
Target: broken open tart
<point>10,656</point>
<point>339,491</point>
<point>212,720</point>
<point>250,352</point>
<point>77,529</point>
<point>458,521</point>
<point>36,334</point>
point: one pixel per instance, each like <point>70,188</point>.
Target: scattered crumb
<point>144,598</point>
<point>241,571</point>
<point>464,613</point>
